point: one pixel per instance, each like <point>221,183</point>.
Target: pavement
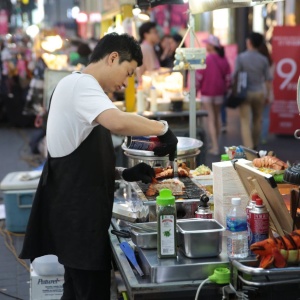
<point>15,155</point>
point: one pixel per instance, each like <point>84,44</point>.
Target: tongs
<point>144,228</point>
<point>173,164</point>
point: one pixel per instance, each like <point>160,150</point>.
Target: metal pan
<point>145,239</point>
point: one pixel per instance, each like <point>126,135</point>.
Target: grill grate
<point>191,191</point>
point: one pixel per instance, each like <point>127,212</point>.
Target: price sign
<point>286,48</point>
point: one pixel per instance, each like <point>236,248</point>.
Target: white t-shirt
<point>77,100</point>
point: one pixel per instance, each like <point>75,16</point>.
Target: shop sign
<point>284,115</point>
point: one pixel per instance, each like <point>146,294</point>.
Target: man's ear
<point>112,56</point>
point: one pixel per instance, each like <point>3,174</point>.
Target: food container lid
<point>165,197</point>
<point>20,180</point>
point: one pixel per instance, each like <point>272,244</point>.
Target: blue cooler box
<point>18,192</point>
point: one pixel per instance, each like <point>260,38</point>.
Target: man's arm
<point>124,123</point>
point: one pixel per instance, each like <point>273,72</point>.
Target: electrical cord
<point>9,244</point>
<point>7,235</point>
<point>200,287</point>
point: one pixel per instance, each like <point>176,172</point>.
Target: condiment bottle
<point>153,99</point>
<point>140,100</point>
<point>166,224</point>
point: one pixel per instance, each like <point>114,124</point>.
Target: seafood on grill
<point>183,170</point>
<point>176,186</point>
<point>278,251</point>
<point>161,173</point>
<point>271,162</point>
<point>168,172</point>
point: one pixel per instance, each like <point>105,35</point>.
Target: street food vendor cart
<point>181,277</point>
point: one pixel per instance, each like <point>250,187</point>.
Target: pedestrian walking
<point>257,68</point>
<point>149,38</point>
<point>263,49</point>
<point>213,82</point>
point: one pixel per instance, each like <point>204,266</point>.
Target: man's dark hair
<point>84,50</point>
<point>127,47</point>
<point>256,39</point>
<point>145,28</point>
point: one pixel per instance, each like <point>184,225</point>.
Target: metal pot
<point>189,159</point>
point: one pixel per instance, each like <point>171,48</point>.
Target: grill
<point>191,191</point>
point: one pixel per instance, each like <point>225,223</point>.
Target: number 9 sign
<point>285,53</point>
<point>286,69</point>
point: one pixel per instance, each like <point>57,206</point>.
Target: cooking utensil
<point>142,227</point>
<point>128,251</point>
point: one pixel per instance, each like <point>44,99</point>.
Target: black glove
<point>169,145</point>
<point>139,172</point>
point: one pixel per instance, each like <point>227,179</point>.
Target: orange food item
<point>270,162</point>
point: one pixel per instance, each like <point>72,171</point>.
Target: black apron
<point>72,209</point>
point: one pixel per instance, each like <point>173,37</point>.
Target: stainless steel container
<point>199,238</point>
<point>145,238</point>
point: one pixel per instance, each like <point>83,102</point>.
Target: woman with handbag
<point>213,83</point>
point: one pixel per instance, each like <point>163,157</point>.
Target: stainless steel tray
<point>263,277</point>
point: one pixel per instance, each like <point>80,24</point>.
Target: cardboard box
<point>226,185</point>
<point>18,193</point>
<point>45,287</point>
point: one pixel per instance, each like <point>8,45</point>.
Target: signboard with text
<point>284,115</point>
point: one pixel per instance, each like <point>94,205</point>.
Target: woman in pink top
<point>213,83</point>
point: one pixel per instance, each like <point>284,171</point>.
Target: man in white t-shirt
<point>72,209</point>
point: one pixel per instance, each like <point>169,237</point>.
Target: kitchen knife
<point>128,251</point>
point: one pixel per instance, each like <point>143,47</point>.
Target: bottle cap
<point>235,201</point>
<point>254,196</point>
<point>224,157</point>
<point>258,201</point>
<point>165,197</point>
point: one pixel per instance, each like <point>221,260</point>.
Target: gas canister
<point>258,222</point>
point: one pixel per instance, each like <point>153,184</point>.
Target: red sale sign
<point>284,116</point>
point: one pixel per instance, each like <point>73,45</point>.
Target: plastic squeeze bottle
<point>236,223</point>
<point>166,224</point>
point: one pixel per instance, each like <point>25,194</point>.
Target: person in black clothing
<point>72,209</point>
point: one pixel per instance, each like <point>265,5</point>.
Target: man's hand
<point>141,171</point>
<point>169,145</point>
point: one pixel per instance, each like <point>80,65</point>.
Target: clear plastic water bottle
<point>236,223</point>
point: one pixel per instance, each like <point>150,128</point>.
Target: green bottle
<point>166,224</point>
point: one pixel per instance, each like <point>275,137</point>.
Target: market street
<point>15,156</point>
